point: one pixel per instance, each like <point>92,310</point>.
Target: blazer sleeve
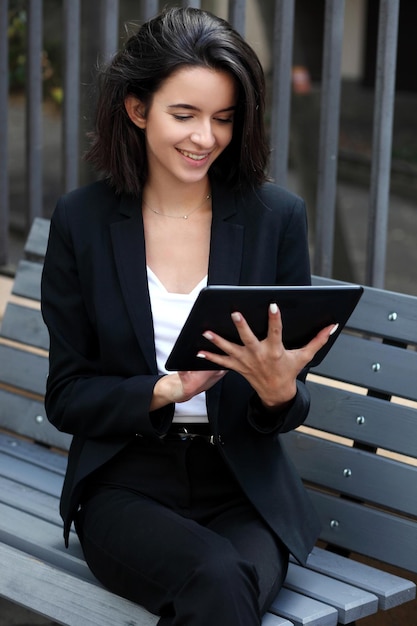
<point>80,398</point>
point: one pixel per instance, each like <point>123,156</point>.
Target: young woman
<point>182,497</point>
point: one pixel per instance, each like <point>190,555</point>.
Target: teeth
<point>195,157</point>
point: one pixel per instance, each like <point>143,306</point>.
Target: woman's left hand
<point>269,368</point>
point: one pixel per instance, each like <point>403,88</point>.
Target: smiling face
<point>188,123</point>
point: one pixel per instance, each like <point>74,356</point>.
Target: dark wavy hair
<point>174,39</point>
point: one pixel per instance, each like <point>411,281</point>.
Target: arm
<point>84,395</point>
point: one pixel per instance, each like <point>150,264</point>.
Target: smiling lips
<point>193,156</point>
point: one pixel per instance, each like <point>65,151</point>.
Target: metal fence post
<point>237,15</point>
<point>34,112</point>
<point>71,112</point>
<point>382,142</point>
<point>281,89</point>
<point>4,91</point>
<point>109,28</point>
<point>329,136</point>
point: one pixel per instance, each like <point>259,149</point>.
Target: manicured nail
<point>236,317</point>
<point>201,355</point>
<point>208,335</point>
<point>273,308</point>
<point>334,329</point>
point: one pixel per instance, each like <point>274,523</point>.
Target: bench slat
<point>27,282</point>
<point>353,472</point>
<point>31,501</point>
<point>275,620</point>
<point>374,310</point>
<point>63,598</point>
<point>303,611</point>
<point>35,454</point>
<point>37,240</point>
<point>27,417</point>
<point>384,425</point>
<point>351,602</point>
<point>353,358</point>
<point>25,370</point>
<point>30,475</point>
<point>365,530</point>
<point>391,590</point>
<point>25,325</point>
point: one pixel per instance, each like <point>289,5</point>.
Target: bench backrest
<point>358,450</point>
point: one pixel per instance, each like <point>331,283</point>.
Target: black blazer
<point>96,305</point>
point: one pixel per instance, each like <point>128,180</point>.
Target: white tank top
<point>169,312</point>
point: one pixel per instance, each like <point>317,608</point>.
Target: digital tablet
<point>304,310</point>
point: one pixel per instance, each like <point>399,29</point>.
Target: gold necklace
<point>179,217</point>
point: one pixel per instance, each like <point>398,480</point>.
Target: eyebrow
<point>194,108</point>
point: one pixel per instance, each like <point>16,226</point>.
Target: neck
<point>175,200</point>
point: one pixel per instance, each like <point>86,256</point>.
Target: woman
<point>198,533</point>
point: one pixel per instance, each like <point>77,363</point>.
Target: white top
<point>169,312</point>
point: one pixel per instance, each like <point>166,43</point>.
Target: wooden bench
<point>357,454</point>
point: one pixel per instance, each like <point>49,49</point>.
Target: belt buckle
<point>211,439</point>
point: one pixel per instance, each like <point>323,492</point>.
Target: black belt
<point>185,432</point>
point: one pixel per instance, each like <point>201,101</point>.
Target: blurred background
<point>54,46</point>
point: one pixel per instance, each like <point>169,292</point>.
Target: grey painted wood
<point>353,472</point>
<point>26,473</point>
<point>351,602</point>
<point>43,540</point>
<point>363,418</point>
<point>55,594</point>
<point>374,313</point>
<point>388,538</point>
<point>38,455</point>
<point>27,417</point>
<point>37,503</point>
<point>37,240</point>
<point>25,370</point>
<point>24,325</point>
<point>352,360</point>
<point>27,283</point>
<point>391,590</point>
<point>303,611</point>
<point>275,620</point>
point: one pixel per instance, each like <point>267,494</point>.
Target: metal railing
<point>280,112</point>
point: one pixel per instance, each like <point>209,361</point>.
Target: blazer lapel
<point>226,250</point>
<point>130,258</point>
<point>226,246</point>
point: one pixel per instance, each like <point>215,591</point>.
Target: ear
<point>136,111</point>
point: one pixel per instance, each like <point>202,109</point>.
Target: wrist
<point>277,402</point>
<point>167,390</point>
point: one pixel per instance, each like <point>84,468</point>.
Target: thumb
<point>320,340</point>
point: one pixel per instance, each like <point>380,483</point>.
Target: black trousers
<point>177,536</point>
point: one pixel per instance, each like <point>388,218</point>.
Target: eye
<point>224,120</point>
<point>181,118</point>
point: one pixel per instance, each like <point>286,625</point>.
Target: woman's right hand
<point>183,386</point>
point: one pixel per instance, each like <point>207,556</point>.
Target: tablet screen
<point>304,310</point>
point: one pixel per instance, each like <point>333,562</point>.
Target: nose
<point>203,136</point>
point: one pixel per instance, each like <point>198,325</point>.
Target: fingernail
<point>334,329</point>
<point>273,308</point>
<point>236,317</point>
<point>201,355</point>
<point>208,335</point>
